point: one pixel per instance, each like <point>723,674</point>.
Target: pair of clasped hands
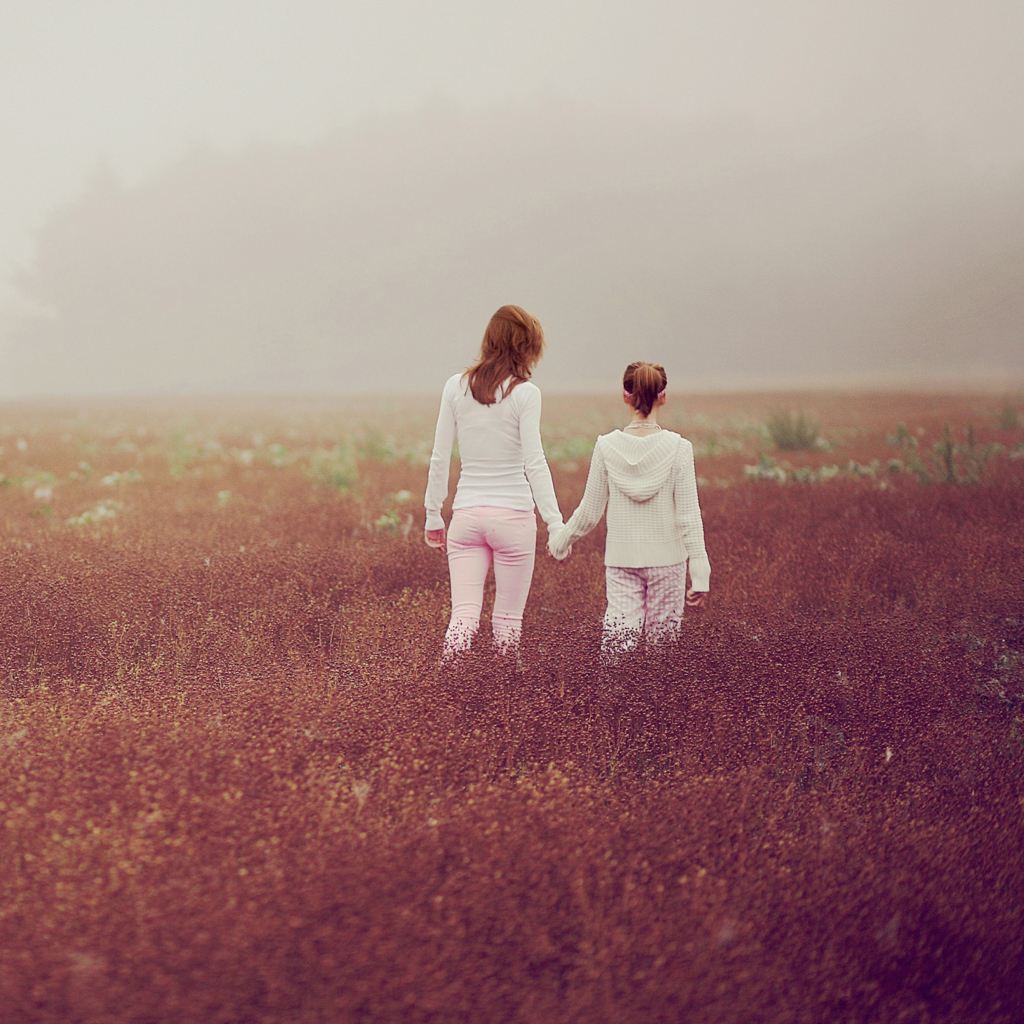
<point>694,598</point>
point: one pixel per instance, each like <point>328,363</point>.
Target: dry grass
<point>235,788</point>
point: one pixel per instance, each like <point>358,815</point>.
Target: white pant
<point>649,599</point>
<point>477,536</point>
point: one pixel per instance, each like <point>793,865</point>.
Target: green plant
<point>129,476</point>
<point>182,455</point>
<point>947,461</point>
<point>98,513</point>
<point>1008,417</point>
<point>769,469</point>
<point>373,446</point>
<point>334,467</point>
<point>278,455</point>
<point>577,448</point>
<point>394,520</point>
<point>766,469</point>
<point>792,433</point>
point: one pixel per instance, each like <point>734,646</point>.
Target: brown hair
<point>644,382</point>
<point>512,346</point>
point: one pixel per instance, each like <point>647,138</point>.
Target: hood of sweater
<point>639,466</point>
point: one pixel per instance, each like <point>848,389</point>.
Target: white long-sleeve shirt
<point>649,486</point>
<point>503,463</point>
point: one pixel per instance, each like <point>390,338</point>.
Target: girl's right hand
<point>554,533</point>
<point>435,538</point>
<point>552,549</point>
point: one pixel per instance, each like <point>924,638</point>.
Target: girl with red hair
<point>494,410</point>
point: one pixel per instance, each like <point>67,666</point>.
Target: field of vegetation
<point>236,787</point>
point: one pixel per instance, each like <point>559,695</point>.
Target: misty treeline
<point>372,258</point>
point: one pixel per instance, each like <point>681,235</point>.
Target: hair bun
<point>644,383</point>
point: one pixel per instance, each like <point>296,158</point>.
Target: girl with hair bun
<point>644,476</point>
<point>494,409</point>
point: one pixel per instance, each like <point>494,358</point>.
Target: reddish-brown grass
<point>235,787</point>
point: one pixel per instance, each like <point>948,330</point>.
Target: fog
<point>317,197</point>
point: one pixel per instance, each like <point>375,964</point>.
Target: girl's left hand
<point>434,538</point>
<point>696,598</point>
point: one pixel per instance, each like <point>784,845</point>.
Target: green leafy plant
<point>793,433</point>
<point>373,446</point>
<point>1008,418</point>
<point>395,521</point>
<point>334,467</point>
<point>98,513</point>
<point>576,449</point>
<point>766,469</point>
<point>781,473</point>
<point>947,461</point>
<point>129,476</point>
<point>278,455</point>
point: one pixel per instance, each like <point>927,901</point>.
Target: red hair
<point>512,346</point>
<point>644,382</point>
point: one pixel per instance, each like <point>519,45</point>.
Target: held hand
<point>696,598</point>
<point>551,550</point>
<point>435,538</point>
<point>553,534</point>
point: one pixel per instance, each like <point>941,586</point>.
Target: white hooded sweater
<point>649,487</point>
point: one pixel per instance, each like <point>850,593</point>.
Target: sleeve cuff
<point>556,542</point>
<point>700,574</point>
<point>434,521</point>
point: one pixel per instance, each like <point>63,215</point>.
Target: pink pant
<point>476,536</point>
<point>650,599</point>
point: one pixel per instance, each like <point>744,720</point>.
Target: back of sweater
<point>503,464</point>
<point>649,487</point>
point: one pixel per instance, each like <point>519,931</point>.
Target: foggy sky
<point>133,87</point>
